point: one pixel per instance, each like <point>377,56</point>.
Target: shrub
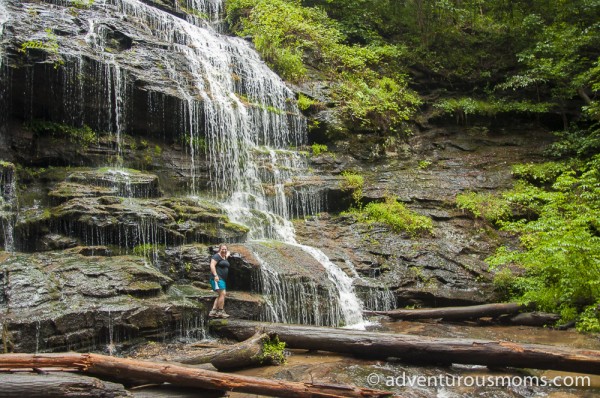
<point>485,205</point>
<point>353,182</point>
<point>395,215</point>
<point>559,251</point>
<point>318,149</point>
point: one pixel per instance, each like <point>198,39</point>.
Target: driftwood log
<point>502,312</point>
<point>419,349</point>
<point>248,353</point>
<point>453,313</point>
<point>105,366</point>
<point>32,385</point>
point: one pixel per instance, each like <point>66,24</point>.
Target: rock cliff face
<point>125,130</point>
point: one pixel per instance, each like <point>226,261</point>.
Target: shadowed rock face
<point>92,215</point>
<point>67,301</point>
<point>83,52</point>
<point>446,267</point>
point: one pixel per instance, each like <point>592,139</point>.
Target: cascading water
<point>297,299</point>
<point>232,108</point>
<point>199,12</point>
<point>4,15</point>
<point>8,204</point>
<point>250,120</point>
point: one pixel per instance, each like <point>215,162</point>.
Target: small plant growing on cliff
<point>424,164</point>
<point>395,215</point>
<point>79,135</point>
<point>353,182</point>
<point>147,250</point>
<point>82,4</point>
<point>50,46</point>
<point>305,103</point>
<point>318,149</point>
<point>484,205</point>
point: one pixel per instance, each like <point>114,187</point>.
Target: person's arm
<point>213,268</point>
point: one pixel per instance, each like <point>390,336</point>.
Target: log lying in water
<point>418,349</point>
<point>531,319</point>
<point>33,385</point>
<point>105,366</point>
<point>453,313</point>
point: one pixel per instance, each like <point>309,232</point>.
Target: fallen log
<point>248,353</point>
<point>34,385</point>
<point>419,349</point>
<point>122,368</point>
<point>453,313</point>
<point>531,319</point>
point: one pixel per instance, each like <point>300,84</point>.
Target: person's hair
<point>221,245</point>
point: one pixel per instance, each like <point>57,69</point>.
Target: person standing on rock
<point>219,268</point>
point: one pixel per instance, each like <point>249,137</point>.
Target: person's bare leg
<point>220,300</point>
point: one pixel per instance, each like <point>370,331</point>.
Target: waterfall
<point>200,12</point>
<point>8,204</point>
<point>4,16</point>
<point>232,109</point>
<point>4,88</point>
<point>296,299</point>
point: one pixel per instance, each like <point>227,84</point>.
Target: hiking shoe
<point>213,313</point>
<point>222,314</point>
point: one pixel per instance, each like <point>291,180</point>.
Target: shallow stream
<point>410,381</point>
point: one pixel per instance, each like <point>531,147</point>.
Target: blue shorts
<point>221,284</point>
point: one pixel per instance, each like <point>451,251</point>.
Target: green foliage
<point>192,11</point>
<point>539,173</point>
<point>82,4</point>
<point>465,106</point>
<point>318,149</point>
<point>376,103</point>
<point>577,141</point>
<point>424,164</point>
<point>80,135</point>
<point>366,82</point>
<point>50,45</point>
<point>32,44</point>
<point>305,103</point>
<point>589,320</point>
<point>354,182</point>
<point>273,351</point>
<point>395,215</point>
<point>199,143</point>
<point>560,246</point>
<point>486,205</point>
<point>252,103</point>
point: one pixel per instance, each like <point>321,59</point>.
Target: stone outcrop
<point>92,215</point>
<point>446,267</point>
<point>67,301</point>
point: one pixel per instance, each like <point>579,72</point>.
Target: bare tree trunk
<point>454,313</point>
<point>104,366</point>
<point>30,385</point>
<point>419,349</point>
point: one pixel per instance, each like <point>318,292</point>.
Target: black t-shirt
<point>222,266</point>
